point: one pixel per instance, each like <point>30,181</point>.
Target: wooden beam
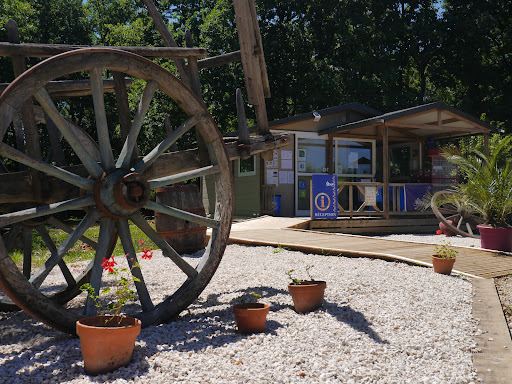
<point>406,132</point>
<point>429,126</point>
<point>17,187</point>
<point>385,171</point>
<point>443,122</point>
<point>219,60</point>
<point>246,24</point>
<point>48,50</point>
<point>486,144</point>
<point>376,137</point>
<point>481,129</point>
<point>330,155</point>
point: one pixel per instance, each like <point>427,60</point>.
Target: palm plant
<point>487,182</point>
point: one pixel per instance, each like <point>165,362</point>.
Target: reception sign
<point>324,197</point>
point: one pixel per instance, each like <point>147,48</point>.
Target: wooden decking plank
<point>476,262</point>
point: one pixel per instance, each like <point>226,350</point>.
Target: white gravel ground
<point>381,322</point>
<point>436,239</point>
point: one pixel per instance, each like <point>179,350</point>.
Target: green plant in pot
<point>444,258</point>
<point>250,315</point>
<point>307,295</point>
<point>487,190</point>
<point>107,340</point>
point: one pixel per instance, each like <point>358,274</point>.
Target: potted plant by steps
<point>444,258</point>
<point>251,316</point>
<point>307,295</point>
<point>107,340</point>
<point>487,190</point>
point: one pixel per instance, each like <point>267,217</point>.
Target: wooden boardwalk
<point>470,261</point>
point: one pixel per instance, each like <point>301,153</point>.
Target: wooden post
<point>486,144</point>
<point>385,171</point>
<point>167,38</point>
<point>168,131</point>
<point>330,155</point>
<point>256,80</point>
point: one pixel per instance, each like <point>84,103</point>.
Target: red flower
<point>147,254</point>
<point>439,232</point>
<point>141,242</point>
<point>108,264</point>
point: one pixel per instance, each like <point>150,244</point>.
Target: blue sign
<point>324,197</point>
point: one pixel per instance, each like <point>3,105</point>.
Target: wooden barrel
<point>184,236</point>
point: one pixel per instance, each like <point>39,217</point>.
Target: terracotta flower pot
<point>498,239</point>
<point>443,266</point>
<point>251,317</point>
<point>307,296</point>
<point>106,343</point>
<point>444,228</point>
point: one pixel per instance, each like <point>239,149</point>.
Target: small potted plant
<point>444,258</point>
<point>107,340</point>
<point>307,295</point>
<point>251,316</point>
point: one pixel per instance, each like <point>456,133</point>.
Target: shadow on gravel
<point>355,319</point>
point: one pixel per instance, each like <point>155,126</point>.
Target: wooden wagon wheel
<point>449,208</point>
<point>115,190</point>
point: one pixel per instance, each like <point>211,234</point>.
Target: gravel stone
<point>381,322</point>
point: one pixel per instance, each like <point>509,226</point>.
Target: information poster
<point>273,176</point>
<point>324,192</point>
<point>370,195</point>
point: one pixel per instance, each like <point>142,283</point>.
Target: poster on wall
<point>271,164</point>
<point>370,195</point>
<point>324,192</point>
<point>302,155</point>
<point>286,164</point>
<point>273,176</point>
<point>302,166</point>
<point>286,155</point>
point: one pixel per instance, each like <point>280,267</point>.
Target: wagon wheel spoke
<point>87,160</point>
<point>107,231</point>
<point>140,285</point>
<point>45,235</point>
<point>459,223</point>
<point>167,250</point>
<point>131,140</point>
<point>184,176</point>
<point>41,274</point>
<point>10,238</point>
<point>45,210</point>
<point>20,157</point>
<point>107,157</point>
<point>452,217</point>
<point>470,230</point>
<point>180,214</point>
<point>142,165</point>
<point>54,222</point>
<point>27,252</point>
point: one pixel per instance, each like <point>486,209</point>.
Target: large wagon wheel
<point>449,208</point>
<point>115,190</point>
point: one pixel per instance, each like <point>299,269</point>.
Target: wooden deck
<point>470,261</point>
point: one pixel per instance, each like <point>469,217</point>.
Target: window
<point>311,156</point>
<point>355,158</point>
<point>246,167</point>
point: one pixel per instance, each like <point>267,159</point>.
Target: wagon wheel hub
<point>119,193</point>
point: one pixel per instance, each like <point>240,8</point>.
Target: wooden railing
<point>355,199</point>
<point>268,193</point>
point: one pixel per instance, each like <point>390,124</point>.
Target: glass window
<point>354,158</point>
<point>247,167</point>
<point>311,156</point>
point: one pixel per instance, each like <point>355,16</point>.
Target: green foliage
<point>487,184</point>
<point>250,297</point>
<point>444,251</point>
<point>297,281</point>
<point>121,289</point>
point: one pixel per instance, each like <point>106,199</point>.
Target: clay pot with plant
<point>250,315</point>
<point>444,258</point>
<point>107,340</point>
<point>307,295</point>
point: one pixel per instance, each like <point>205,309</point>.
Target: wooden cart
<point>112,188</point>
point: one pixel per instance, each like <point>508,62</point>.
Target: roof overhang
<point>415,124</point>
